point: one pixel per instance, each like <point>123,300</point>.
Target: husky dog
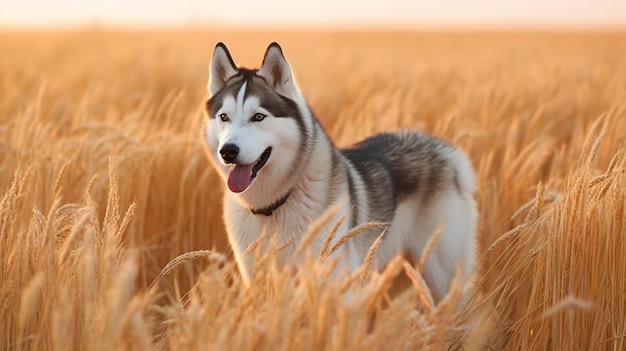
<point>283,171</point>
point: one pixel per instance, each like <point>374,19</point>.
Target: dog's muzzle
<point>241,175</point>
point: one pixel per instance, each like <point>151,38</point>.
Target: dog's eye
<point>258,117</point>
<point>224,117</point>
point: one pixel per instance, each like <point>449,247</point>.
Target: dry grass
<point>104,182</point>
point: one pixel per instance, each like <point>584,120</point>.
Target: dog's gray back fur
<point>399,166</point>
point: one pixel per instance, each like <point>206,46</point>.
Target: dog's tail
<point>465,177</point>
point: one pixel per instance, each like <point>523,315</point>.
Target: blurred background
<point>541,14</point>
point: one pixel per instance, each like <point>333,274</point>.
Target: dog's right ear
<point>276,71</point>
<point>222,68</point>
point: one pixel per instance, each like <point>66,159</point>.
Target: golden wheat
<point>108,197</point>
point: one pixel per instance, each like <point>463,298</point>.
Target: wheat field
<point>111,235</point>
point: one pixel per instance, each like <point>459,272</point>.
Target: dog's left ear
<point>222,68</point>
<point>277,72</point>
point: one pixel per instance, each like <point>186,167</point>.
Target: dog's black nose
<point>229,152</point>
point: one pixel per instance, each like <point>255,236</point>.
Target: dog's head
<point>256,123</point>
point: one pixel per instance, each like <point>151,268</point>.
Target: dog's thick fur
<point>283,171</point>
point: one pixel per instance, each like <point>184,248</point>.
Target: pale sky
<point>276,13</point>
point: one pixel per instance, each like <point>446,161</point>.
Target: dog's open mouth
<point>240,176</point>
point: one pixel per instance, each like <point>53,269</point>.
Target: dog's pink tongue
<point>239,178</point>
